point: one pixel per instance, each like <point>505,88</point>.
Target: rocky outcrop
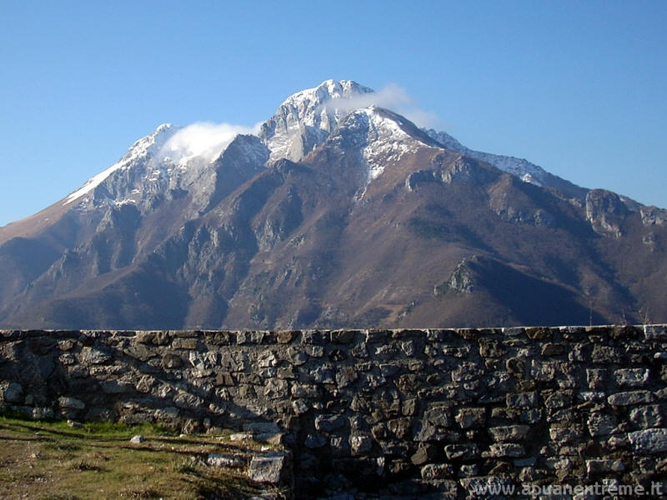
<point>408,413</point>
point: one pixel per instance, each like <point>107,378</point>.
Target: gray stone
<point>276,388</point>
<point>425,453</point>
<point>345,376</point>
<point>509,433</point>
<point>267,468</point>
<point>646,417</point>
<point>631,398</point>
<point>323,374</point>
<point>71,403</point>
<point>649,441</point>
<point>602,466</point>
<point>562,434</point>
<point>172,361</point>
<point>596,378</point>
<point>186,400</point>
<point>439,415</point>
<point>184,343</point>
<point>224,460</point>
<point>655,332</point>
<point>465,372</point>
<point>360,444</point>
<point>92,356</point>
<point>138,439</point>
<point>13,393</point>
<point>600,424</point>
<point>286,372</point>
<point>41,413</point>
<point>633,377</point>
<point>437,471</point>
<point>552,349</point>
<point>300,407</point>
<point>314,351</point>
<point>296,356</point>
<point>469,470</point>
<point>471,417</point>
<point>462,451</point>
<point>502,450</point>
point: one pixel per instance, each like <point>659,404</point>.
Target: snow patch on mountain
<point>386,141</point>
<point>142,149</point>
<point>523,169</point>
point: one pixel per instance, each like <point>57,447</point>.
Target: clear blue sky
<point>578,87</point>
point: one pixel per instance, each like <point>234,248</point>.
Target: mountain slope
<point>337,213</point>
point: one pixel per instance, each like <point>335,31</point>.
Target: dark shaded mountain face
<point>333,215</point>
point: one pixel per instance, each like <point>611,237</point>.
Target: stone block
<point>345,376</point>
<point>600,424</point>
<point>655,332</point>
<point>603,354</point>
<point>268,468</point>
<point>360,444</point>
<point>184,343</point>
<point>343,336</point>
<point>439,414</point>
<point>13,393</point>
<point>425,453</point>
<point>604,466</point>
<point>505,450</point>
<point>632,377</point>
<point>91,356</point>
<point>631,398</point>
<point>224,460</point>
<point>286,372</point>
<point>552,349</point>
<point>563,434</point>
<point>649,441</point>
<point>71,403</point>
<point>646,417</point>
<point>511,433</point>
<point>172,361</point>
<point>399,427</point>
<point>471,417</point>
<point>596,378</point>
<point>285,337</point>
<point>462,452</point>
<point>437,471</point>
<point>249,337</point>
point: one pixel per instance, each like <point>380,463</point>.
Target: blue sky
<point>578,87</point>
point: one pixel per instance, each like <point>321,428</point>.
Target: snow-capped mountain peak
<point>306,118</point>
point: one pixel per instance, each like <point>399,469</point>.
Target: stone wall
<point>401,413</point>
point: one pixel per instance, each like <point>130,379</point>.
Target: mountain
<point>335,213</point>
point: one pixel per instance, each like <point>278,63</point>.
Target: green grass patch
<point>53,461</point>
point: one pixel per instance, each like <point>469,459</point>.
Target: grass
<point>51,461</point>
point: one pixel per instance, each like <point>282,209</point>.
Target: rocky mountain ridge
<point>335,213</point>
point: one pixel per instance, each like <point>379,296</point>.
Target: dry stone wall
<point>393,413</point>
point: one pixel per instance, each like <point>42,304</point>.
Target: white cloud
<point>392,97</point>
<point>202,139</point>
